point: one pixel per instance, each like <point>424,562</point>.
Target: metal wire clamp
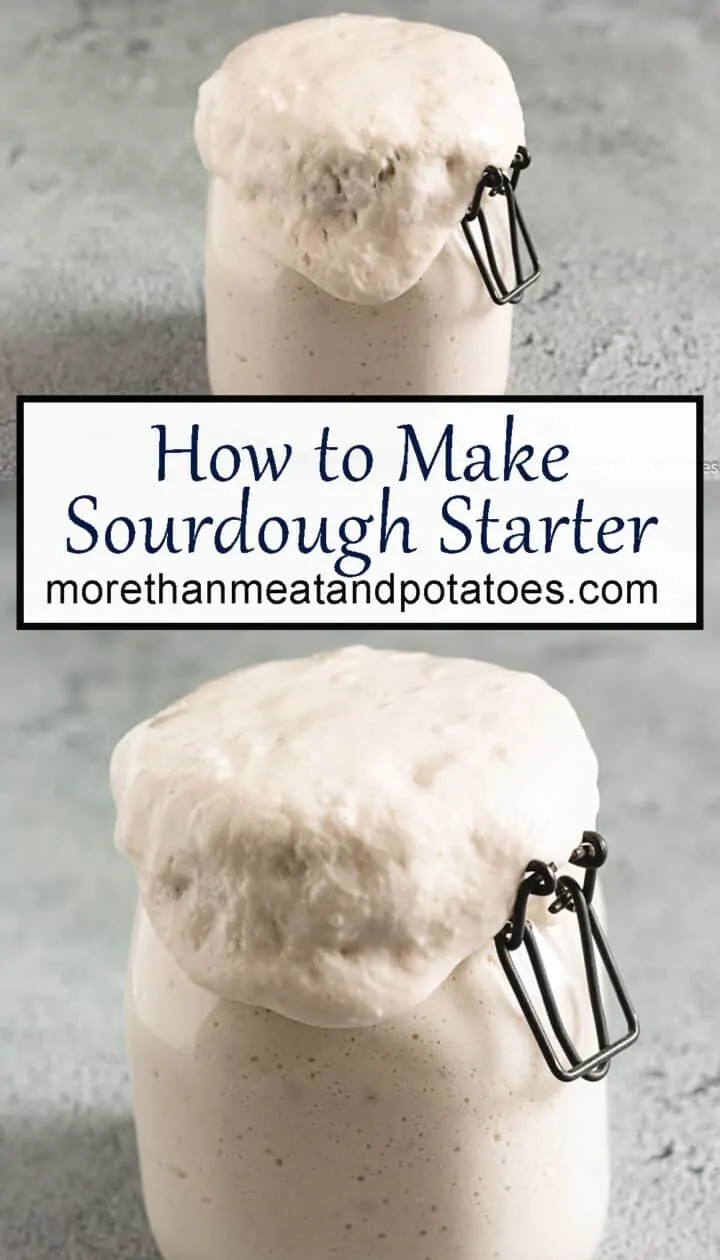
<point>541,880</point>
<point>497,182</point>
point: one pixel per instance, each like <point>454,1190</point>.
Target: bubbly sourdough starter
<point>344,152</point>
<point>327,847</point>
<point>272,331</point>
<point>436,1135</point>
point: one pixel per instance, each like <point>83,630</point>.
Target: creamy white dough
<point>436,1135</point>
<point>329,837</point>
<point>352,144</point>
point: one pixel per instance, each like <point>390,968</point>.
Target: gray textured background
<point>650,701</point>
<point>102,193</point>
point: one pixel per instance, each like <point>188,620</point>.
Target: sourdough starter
<point>343,153</point>
<point>326,1057</point>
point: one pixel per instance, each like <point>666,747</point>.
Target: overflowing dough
<point>352,144</point>
<point>329,837</point>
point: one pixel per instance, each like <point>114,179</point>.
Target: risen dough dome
<point>352,145</point>
<point>329,837</point>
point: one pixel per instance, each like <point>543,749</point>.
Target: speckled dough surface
<point>350,152</point>
<point>103,194</point>
<point>329,837</point>
<point>649,702</point>
<point>412,1139</point>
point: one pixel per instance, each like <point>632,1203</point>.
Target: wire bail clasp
<point>497,182</point>
<point>541,880</point>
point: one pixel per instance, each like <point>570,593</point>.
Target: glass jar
<point>346,153</point>
<point>272,331</point>
<point>435,1135</point>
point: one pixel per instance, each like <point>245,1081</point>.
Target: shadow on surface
<point>70,1187</point>
<point>103,354</point>
<point>106,354</point>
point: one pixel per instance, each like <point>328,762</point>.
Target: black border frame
<point>697,624</point>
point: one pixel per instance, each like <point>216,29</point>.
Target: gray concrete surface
<point>650,701</point>
<point>102,194</point>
